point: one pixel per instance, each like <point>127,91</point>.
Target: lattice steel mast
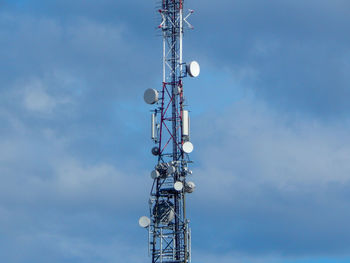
<point>168,227</point>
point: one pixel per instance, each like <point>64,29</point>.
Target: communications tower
<point>169,235</point>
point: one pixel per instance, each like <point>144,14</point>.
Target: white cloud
<point>277,183</point>
<point>37,99</point>
<point>257,146</point>
<point>96,38</point>
<point>49,172</point>
<point>47,194</point>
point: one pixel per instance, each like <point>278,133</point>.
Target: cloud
<point>56,207</point>
<point>37,99</point>
<point>205,257</point>
<point>279,184</point>
<point>298,50</point>
<point>271,158</point>
<point>39,46</point>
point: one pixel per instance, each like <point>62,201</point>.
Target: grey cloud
<point>72,169</point>
<point>90,68</point>
<point>298,50</point>
<point>53,203</point>
<point>278,184</point>
<point>89,50</point>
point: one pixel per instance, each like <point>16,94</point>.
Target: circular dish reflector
<point>155,151</point>
<point>178,186</point>
<point>155,174</point>
<point>150,96</point>
<point>187,147</point>
<point>189,187</point>
<point>193,69</point>
<point>144,221</point>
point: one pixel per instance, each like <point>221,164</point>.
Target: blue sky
<point>269,123</point>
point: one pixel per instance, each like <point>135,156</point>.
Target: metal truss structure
<point>168,226</point>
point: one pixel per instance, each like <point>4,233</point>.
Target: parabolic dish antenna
<point>144,221</point>
<point>193,69</point>
<point>178,186</point>
<point>187,147</point>
<point>155,151</point>
<point>150,96</point>
<point>189,187</point>
<point>155,174</point>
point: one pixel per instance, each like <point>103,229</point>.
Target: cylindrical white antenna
<point>153,127</point>
<point>189,128</point>
<point>181,38</point>
<point>185,123</point>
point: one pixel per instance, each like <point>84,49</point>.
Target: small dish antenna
<point>144,222</point>
<point>155,174</point>
<point>190,187</point>
<point>193,69</point>
<point>155,151</point>
<point>187,147</point>
<point>178,186</point>
<point>151,96</point>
